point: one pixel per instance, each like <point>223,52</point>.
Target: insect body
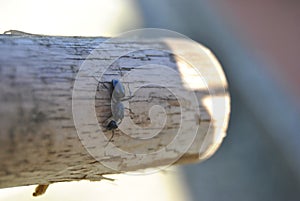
<point>112,125</point>
<point>117,107</point>
<point>118,91</point>
<point>118,111</point>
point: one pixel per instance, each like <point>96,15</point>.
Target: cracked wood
<point>38,139</point>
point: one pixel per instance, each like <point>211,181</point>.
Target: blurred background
<point>258,45</point>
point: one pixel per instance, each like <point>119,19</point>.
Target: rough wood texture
<point>38,140</point>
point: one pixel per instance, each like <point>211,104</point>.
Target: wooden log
<point>55,97</point>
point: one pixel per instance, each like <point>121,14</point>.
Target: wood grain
<point>41,144</point>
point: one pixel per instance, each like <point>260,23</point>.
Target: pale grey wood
<point>38,139</point>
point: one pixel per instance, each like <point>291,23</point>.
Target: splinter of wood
<point>40,189</point>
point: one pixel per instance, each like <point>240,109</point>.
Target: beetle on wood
<point>118,92</point>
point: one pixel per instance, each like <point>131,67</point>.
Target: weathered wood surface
<point>39,143</point>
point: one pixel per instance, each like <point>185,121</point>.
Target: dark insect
<point>118,92</point>
<point>112,125</point>
<point>118,112</point>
